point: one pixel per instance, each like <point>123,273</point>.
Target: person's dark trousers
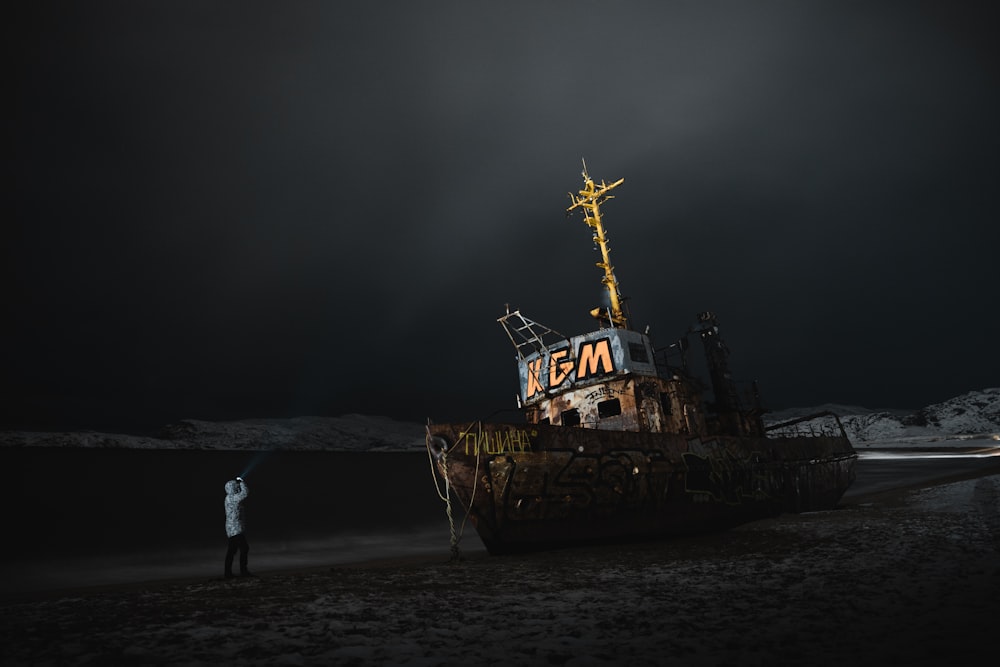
<point>237,542</point>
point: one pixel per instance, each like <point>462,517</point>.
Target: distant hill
<point>976,413</point>
<point>345,433</point>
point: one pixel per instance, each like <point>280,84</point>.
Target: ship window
<point>609,408</point>
<point>571,417</point>
<point>637,352</point>
<point>668,405</point>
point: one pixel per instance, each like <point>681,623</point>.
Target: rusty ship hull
<point>531,487</point>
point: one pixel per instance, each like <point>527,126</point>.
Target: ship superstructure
<point>613,378</point>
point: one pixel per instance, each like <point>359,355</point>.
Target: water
<point>86,517</point>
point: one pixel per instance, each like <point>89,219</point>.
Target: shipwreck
<point>618,441</point>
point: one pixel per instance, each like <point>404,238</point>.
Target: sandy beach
<point>909,577</point>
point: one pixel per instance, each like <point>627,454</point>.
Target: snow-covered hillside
<point>975,414</point>
<point>972,415</point>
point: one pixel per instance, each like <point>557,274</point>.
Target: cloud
<point>264,189</point>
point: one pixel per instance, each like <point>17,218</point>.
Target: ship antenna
<point>589,199</point>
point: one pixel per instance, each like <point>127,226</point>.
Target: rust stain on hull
<point>562,486</point>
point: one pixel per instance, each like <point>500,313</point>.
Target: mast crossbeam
<point>589,200</point>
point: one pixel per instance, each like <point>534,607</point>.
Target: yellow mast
<point>590,199</point>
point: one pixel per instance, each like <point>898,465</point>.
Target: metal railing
<point>824,423</point>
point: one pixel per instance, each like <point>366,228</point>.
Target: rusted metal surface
<point>533,487</point>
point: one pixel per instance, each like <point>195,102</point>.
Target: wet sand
<point>910,577</point>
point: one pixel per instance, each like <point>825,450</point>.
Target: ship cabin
<point>607,379</point>
<point>613,379</point>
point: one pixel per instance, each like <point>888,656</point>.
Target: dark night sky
<point>230,209</point>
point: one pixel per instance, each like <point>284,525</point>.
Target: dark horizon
<point>226,211</point>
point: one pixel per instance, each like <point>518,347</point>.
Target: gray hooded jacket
<point>236,493</point>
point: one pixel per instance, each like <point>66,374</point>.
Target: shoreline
<point>470,548</point>
<point>910,576</point>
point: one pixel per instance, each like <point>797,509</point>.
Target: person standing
<point>236,493</point>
